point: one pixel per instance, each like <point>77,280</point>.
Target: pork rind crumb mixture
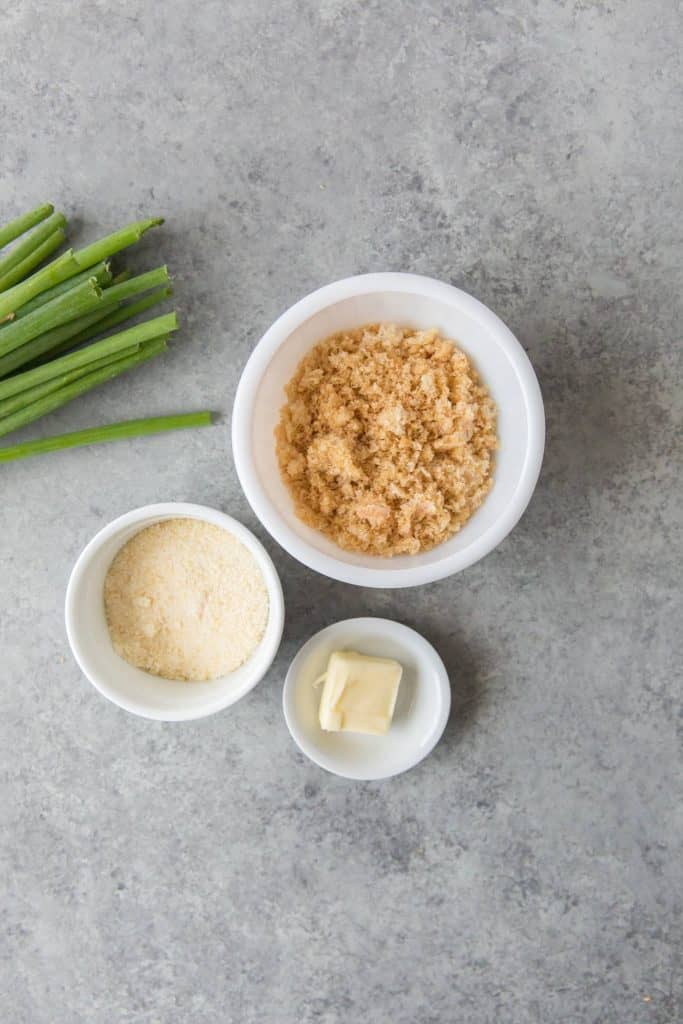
<point>387,439</point>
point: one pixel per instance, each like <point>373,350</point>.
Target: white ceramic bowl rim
<point>218,697</point>
<point>246,397</point>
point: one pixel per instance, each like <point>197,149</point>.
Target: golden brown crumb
<point>386,440</point>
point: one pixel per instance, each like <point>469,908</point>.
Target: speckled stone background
<point>531,870</point>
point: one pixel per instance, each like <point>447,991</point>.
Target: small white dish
<point>420,302</point>
<point>132,689</point>
<point>422,706</point>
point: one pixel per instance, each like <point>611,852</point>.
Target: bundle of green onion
<point>50,316</point>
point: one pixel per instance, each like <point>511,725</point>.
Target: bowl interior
<point>130,687</point>
<point>481,336</point>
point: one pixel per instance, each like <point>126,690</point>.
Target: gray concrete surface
<point>530,870</point>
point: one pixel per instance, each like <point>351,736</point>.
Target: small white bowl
<point>419,302</point>
<point>129,687</point>
<point>422,707</point>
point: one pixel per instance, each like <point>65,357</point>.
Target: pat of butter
<point>359,694</point>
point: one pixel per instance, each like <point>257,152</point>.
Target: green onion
<point>121,277</point>
<point>101,322</point>
<point>100,272</point>
<point>40,253</point>
<point>26,246</point>
<point>65,307</point>
<point>111,244</point>
<point>55,341</point>
<point>141,283</point>
<point>109,432</point>
<point>16,402</point>
<point>24,223</point>
<point>75,298</point>
<point>48,403</point>
<point>71,263</point>
<point>160,325</point>
<point>54,273</point>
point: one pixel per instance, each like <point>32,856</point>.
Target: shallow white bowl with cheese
<point>415,301</point>
<point>132,688</point>
<point>422,706</point>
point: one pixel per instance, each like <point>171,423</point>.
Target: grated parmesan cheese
<point>185,599</point>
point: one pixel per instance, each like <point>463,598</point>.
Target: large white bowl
<point>419,302</point>
<point>129,687</point>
